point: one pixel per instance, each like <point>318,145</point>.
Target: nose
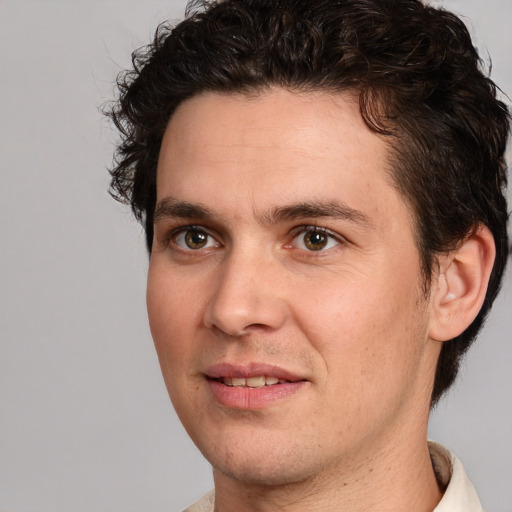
<point>247,297</point>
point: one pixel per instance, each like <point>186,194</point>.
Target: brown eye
<point>315,241</point>
<point>194,239</point>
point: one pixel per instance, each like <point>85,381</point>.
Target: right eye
<point>194,239</point>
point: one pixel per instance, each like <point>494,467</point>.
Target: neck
<point>394,478</point>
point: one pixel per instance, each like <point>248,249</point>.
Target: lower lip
<point>253,398</point>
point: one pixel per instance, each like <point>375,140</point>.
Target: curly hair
<point>419,82</point>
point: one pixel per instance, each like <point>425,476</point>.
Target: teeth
<point>255,382</point>
<point>252,382</point>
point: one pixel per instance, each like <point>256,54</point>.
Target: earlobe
<point>459,292</point>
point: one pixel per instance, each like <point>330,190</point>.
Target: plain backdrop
<point>85,421</point>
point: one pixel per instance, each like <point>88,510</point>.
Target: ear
<point>461,285</point>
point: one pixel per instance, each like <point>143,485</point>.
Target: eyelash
<point>302,231</point>
<point>172,236</point>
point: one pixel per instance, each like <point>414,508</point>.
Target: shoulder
<point>205,504</point>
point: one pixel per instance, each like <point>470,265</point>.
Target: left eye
<point>315,240</point>
<point>194,239</point>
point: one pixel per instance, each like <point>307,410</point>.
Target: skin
<point>349,319</point>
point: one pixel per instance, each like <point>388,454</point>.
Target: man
<point>321,186</point>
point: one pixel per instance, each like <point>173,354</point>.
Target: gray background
<point>85,422</point>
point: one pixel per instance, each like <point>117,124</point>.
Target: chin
<point>263,473</point>
<point>263,464</point>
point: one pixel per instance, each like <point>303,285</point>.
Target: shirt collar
<point>459,493</point>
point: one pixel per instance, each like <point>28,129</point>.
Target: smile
<point>252,386</point>
<point>251,382</point>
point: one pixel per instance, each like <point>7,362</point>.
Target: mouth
<point>251,382</point>
<point>253,386</point>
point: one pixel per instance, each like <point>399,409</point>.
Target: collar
<point>459,493</point>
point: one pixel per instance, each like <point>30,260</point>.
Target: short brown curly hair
<point>420,86</point>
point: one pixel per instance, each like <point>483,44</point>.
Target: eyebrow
<point>170,207</point>
<point>313,209</point>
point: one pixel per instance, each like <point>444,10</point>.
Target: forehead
<point>273,147</point>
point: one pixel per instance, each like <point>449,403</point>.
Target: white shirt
<point>459,494</point>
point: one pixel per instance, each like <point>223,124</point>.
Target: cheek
<point>172,315</point>
<point>172,312</point>
<point>364,328</point>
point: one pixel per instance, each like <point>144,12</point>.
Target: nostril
<point>225,331</point>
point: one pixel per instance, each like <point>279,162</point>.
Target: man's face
<point>285,291</point>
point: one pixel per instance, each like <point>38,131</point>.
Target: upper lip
<point>224,370</point>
